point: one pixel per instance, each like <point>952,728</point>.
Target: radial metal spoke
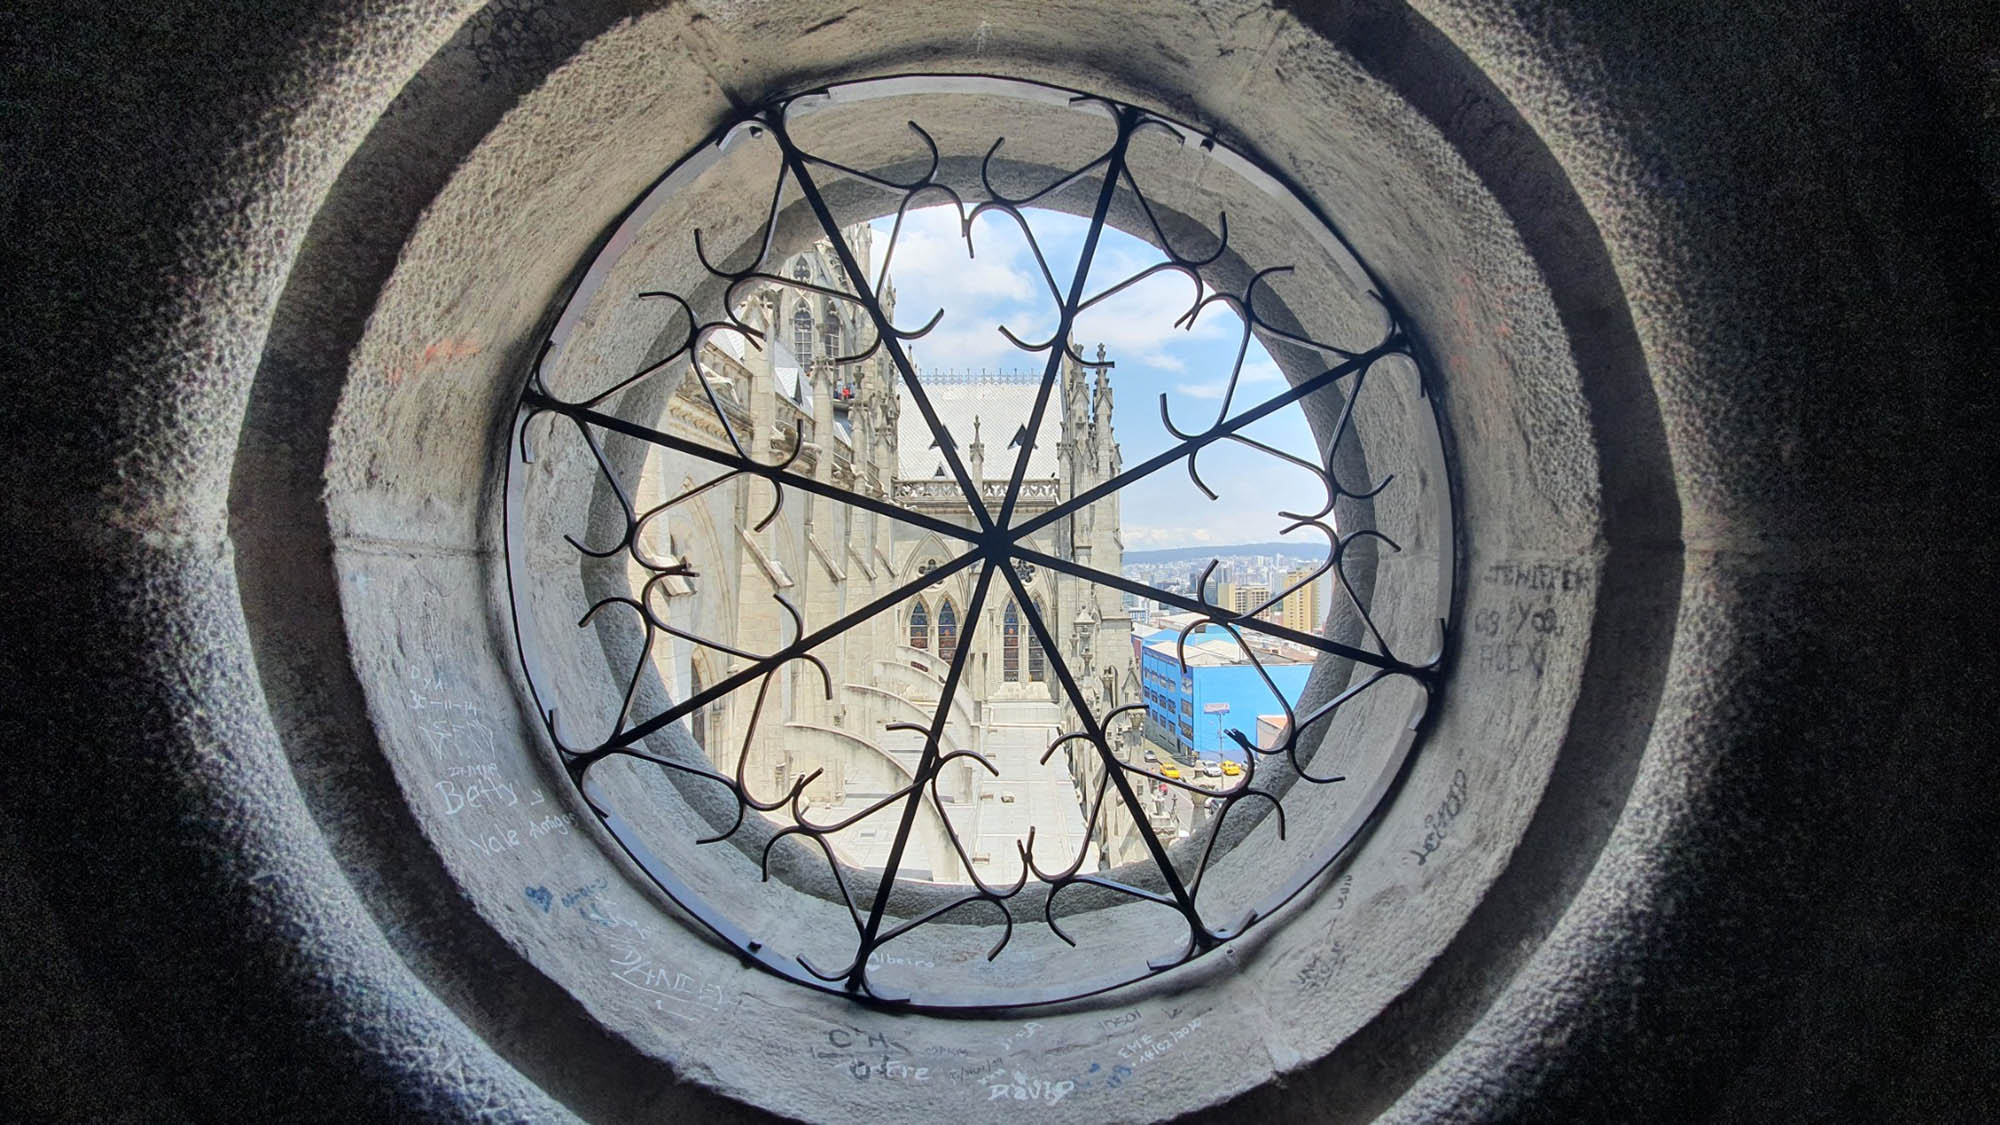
<point>1112,767</point>
<point>858,278</point>
<point>792,651</point>
<point>1192,605</point>
<point>1394,345</point>
<point>1059,348</point>
<point>925,767</point>
<point>749,465</point>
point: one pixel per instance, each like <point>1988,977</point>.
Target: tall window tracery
<point>920,627</point>
<point>1038,671</point>
<point>947,629</point>
<point>829,337</point>
<point>802,335</point>
<point>1010,643</point>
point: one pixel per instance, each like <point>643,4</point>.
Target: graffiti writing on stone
<point>847,1039</point>
<point>1437,825</point>
<point>878,960</point>
<point>1540,577</point>
<point>887,1070</point>
<point>671,990</point>
<point>451,727</point>
<point>457,796</point>
<point>1148,1046</point>
<point>480,787</point>
<point>872,1055</point>
<point>1121,1021</point>
<point>1021,1088</point>
<point>1019,1036</point>
<point>1513,634</point>
<point>1113,1078</point>
<point>1323,967</point>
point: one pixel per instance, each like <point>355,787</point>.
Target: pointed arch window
<point>947,629</point>
<point>802,335</point>
<point>829,335</point>
<point>1038,670</point>
<point>1010,643</point>
<point>920,627</point>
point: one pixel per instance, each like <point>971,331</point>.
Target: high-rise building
<point>1248,596</point>
<point>1225,595</point>
<point>1301,607</point>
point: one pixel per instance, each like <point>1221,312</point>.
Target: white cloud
<point>1255,373</point>
<point>931,267</point>
<point>1002,285</point>
<point>1138,324</point>
<point>1259,371</point>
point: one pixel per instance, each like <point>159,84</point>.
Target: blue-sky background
<point>1002,285</point>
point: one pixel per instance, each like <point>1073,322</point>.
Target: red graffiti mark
<point>443,351</point>
<point>450,349</point>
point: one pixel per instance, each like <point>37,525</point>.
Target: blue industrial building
<point>1188,709</point>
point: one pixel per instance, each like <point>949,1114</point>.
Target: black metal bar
<point>1394,345</point>
<point>1191,605</point>
<point>749,465</point>
<point>793,651</point>
<point>1067,320</point>
<point>887,332</point>
<point>1095,733</point>
<point>926,765</point>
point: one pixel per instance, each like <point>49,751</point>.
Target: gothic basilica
<point>855,426</point>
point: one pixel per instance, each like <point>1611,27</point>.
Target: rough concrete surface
<point>1708,291</point>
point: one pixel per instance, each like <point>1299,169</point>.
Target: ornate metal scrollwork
<point>994,549</point>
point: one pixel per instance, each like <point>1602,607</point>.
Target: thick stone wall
<point>1707,291</point>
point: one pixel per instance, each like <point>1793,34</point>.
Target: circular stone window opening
<point>977,545</point>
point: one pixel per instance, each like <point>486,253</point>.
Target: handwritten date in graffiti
<point>1148,1046</point>
<point>1519,616</point>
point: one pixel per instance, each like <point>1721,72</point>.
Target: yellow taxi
<point>1230,768</point>
<point>1171,772</point>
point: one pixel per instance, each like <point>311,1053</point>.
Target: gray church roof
<point>1001,400</point>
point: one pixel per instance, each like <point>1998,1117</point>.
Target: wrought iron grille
<point>993,544</point>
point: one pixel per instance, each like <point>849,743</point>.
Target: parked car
<point>1211,769</point>
<point>1230,768</point>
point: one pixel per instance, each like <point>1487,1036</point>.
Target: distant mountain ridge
<point>1297,550</point>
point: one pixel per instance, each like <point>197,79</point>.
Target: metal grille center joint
<point>842,642</point>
